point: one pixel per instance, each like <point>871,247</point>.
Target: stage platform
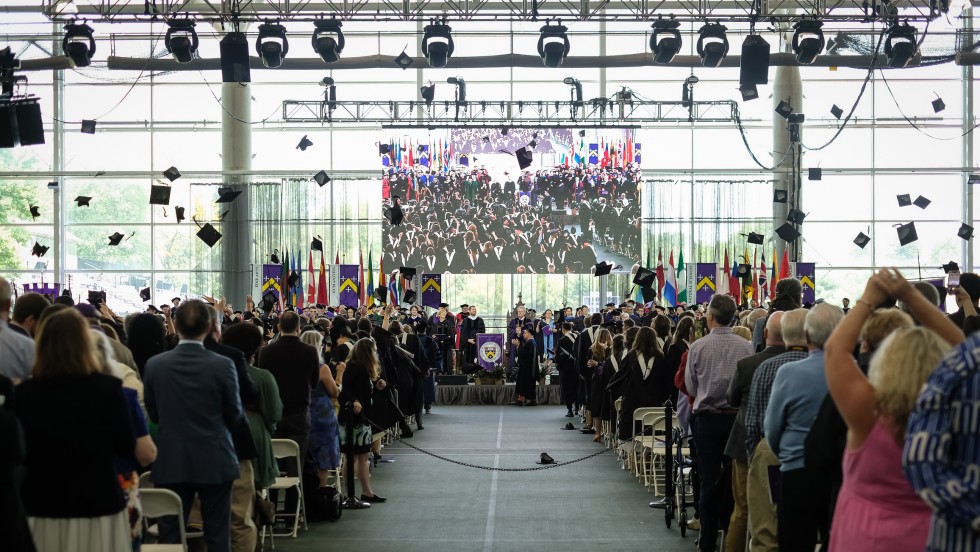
<point>491,394</point>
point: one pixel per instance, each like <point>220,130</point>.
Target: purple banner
<point>53,290</point>
<point>704,281</point>
<point>490,350</point>
<point>806,274</point>
<point>347,281</point>
<point>271,274</point>
<point>431,290</point>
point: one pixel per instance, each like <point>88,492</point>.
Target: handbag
<point>265,511</point>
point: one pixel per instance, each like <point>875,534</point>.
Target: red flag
<point>784,268</point>
<point>321,293</point>
<point>661,279</point>
<point>311,282</point>
<point>337,259</point>
<point>361,298</point>
<point>381,273</point>
<point>755,279</point>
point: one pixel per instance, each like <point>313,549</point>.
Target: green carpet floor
<point>434,505</point>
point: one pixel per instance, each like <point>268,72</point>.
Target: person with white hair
<point>16,350</point>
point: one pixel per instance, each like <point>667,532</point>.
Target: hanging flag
<point>424,156</point>
<point>724,281</point>
<point>361,299</point>
<point>593,154</point>
<point>706,283</point>
<point>636,153</point>
<point>393,289</point>
<point>322,296</point>
<point>431,290</point>
<point>661,279</point>
<point>344,285</point>
<point>755,279</point>
<point>747,291</point>
<point>381,274</point>
<point>763,280</point>
<point>370,279</point>
<point>734,284</point>
<point>310,282</point>
<point>784,268</point>
<point>670,287</point>
<point>806,274</point>
<point>337,259</point>
<point>271,275</point>
<point>774,276</point>
<point>681,280</point>
<point>284,281</point>
<point>411,155</point>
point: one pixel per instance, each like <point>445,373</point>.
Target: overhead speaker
<point>234,58</point>
<point>30,127</point>
<point>754,68</point>
<point>8,127</point>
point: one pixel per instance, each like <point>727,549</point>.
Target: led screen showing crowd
<point>481,213</point>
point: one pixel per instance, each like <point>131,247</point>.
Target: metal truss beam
<point>448,114</point>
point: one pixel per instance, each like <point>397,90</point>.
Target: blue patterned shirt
<point>758,399</point>
<point>942,450</point>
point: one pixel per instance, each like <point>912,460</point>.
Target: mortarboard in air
<point>274,258</point>
<point>35,211</point>
<point>756,239</point>
<point>938,105</point>
<point>815,173</point>
<point>965,231</point>
<point>836,111</point>
<point>581,133</point>
<point>795,216</point>
<point>951,266</point>
<point>172,174</point>
<point>209,234</point>
<point>862,240</point>
<point>39,250</point>
<point>88,126</point>
<point>384,149</point>
<point>603,268</point>
<point>159,195</point>
<point>921,202</point>
<point>649,294</point>
<point>293,279</point>
<point>907,234</point>
<point>524,158</point>
<point>644,277</point>
<point>787,232</point>
<point>321,178</point>
<point>304,143</point>
<point>407,271</point>
<point>223,215</point>
<point>904,200</point>
<point>779,196</point>
<point>404,60</point>
<point>145,294</point>
<point>409,296</point>
<point>268,301</point>
<point>743,270</point>
<point>381,294</point>
<point>227,194</point>
<point>116,238</point>
<point>316,244</point>
<point>179,211</point>
<point>83,201</point>
<point>395,214</point>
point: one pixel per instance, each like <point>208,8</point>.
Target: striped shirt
<point>710,365</point>
<point>758,399</point>
<point>942,450</point>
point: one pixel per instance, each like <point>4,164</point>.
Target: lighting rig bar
<point>769,11</point>
<point>599,112</point>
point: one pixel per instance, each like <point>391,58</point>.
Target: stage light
<point>749,92</point>
<point>900,45</point>
<point>328,39</point>
<point>181,40</point>
<point>79,44</point>
<point>329,92</point>
<point>553,45</point>
<point>687,94</point>
<point>428,93</point>
<point>437,43</point>
<point>272,44</point>
<point>576,89</point>
<point>754,65</point>
<point>460,88</point>
<point>712,44</point>
<point>665,40</point>
<point>808,40</point>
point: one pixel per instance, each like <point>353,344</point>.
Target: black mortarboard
<point>116,238</point>
<point>209,234</point>
<point>83,201</point>
<point>179,211</point>
<point>938,105</point>
<point>603,268</point>
<point>951,266</point>
<point>779,196</point>
<point>784,109</point>
<point>649,295</point>
<point>159,195</point>
<point>921,202</point>
<point>407,271</point>
<point>172,174</point>
<point>524,158</point>
<point>443,305</point>
<point>862,240</point>
<point>293,279</point>
<point>404,60</point>
<point>395,214</point>
<point>907,234</point>
<point>756,239</point>
<point>816,173</point>
<point>409,296</point>
<point>321,178</point>
<point>581,133</point>
<point>35,210</point>
<point>88,126</point>
<point>268,301</point>
<point>145,294</point>
<point>39,250</point>
<point>743,270</point>
<point>227,194</point>
<point>836,111</point>
<point>965,231</point>
<point>274,258</point>
<point>787,232</point>
<point>904,200</point>
<point>304,143</point>
<point>795,216</point>
<point>381,294</point>
<point>644,277</point>
<point>223,215</point>
<point>384,149</point>
<point>316,245</point>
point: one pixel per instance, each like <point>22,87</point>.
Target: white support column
<point>236,155</point>
<point>787,86</point>
<point>967,37</point>
<point>58,160</point>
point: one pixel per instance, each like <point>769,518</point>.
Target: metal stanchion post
<point>349,456</point>
<point>669,462</point>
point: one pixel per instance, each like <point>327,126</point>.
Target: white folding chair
<point>283,449</point>
<point>656,445</point>
<point>636,446</point>
<point>145,484</point>
<point>163,502</point>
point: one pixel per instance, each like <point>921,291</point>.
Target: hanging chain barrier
<point>490,468</point>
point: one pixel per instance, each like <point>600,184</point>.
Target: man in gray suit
<point>192,394</point>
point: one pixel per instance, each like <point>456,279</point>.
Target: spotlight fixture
<point>749,92</point>
<point>79,44</point>
<point>712,44</point>
<point>437,43</point>
<point>329,92</point>
<point>272,44</point>
<point>808,40</point>
<point>181,40</point>
<point>687,93</point>
<point>328,39</point>
<point>576,90</point>
<point>665,40</point>
<point>460,88</point>
<point>428,93</point>
<point>553,45</point>
<point>900,45</point>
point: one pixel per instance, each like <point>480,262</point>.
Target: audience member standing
<point>27,312</point>
<point>471,325</point>
<point>797,392</point>
<point>565,362</point>
<point>324,429</point>
<point>16,349</point>
<point>147,337</point>
<point>710,364</point>
<point>13,520</point>
<point>192,394</point>
<point>527,369</point>
<point>75,422</point>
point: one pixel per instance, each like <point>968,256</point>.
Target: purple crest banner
<point>806,274</point>
<point>431,290</point>
<point>348,280</point>
<point>704,281</point>
<point>271,274</point>
<point>54,290</point>
<point>490,350</point>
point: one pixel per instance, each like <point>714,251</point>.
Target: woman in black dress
<point>527,369</point>
<point>600,394</point>
<point>648,381</point>
<point>598,354</point>
<point>565,361</point>
<point>360,380</point>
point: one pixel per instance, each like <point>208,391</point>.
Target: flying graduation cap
<point>951,266</point>
<point>649,294</point>
<point>407,271</point>
<point>321,178</point>
<point>756,239</point>
<point>179,211</point>
<point>268,301</point>
<point>83,201</point>
<point>603,268</point>
<point>795,216</point>
<point>227,194</point>
<point>304,143</point>
<point>172,174</point>
<point>779,196</point>
<point>209,234</point>
<point>906,233</point>
<point>524,157</point>
<point>381,294</point>
<point>815,173</point>
<point>39,250</point>
<point>409,296</point>
<point>921,202</point>
<point>644,277</point>
<point>316,244</point>
<point>862,240</point>
<point>904,200</point>
<point>145,294</point>
<point>88,126</point>
<point>116,238</point>
<point>787,232</point>
<point>35,211</point>
<point>965,231</point>
<point>274,258</point>
<point>159,194</point>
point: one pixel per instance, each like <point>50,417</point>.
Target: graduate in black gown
<point>565,362</point>
<point>527,368</point>
<point>647,381</point>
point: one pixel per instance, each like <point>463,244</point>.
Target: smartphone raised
<point>953,281</point>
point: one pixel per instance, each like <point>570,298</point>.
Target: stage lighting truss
<point>181,40</point>
<point>328,39</point>
<point>900,45</point>
<point>79,44</point>
<point>665,41</point>
<point>437,43</point>
<point>599,112</point>
<point>712,44</point>
<point>576,95</point>
<point>808,40</point>
<point>272,44</point>
<point>553,44</point>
